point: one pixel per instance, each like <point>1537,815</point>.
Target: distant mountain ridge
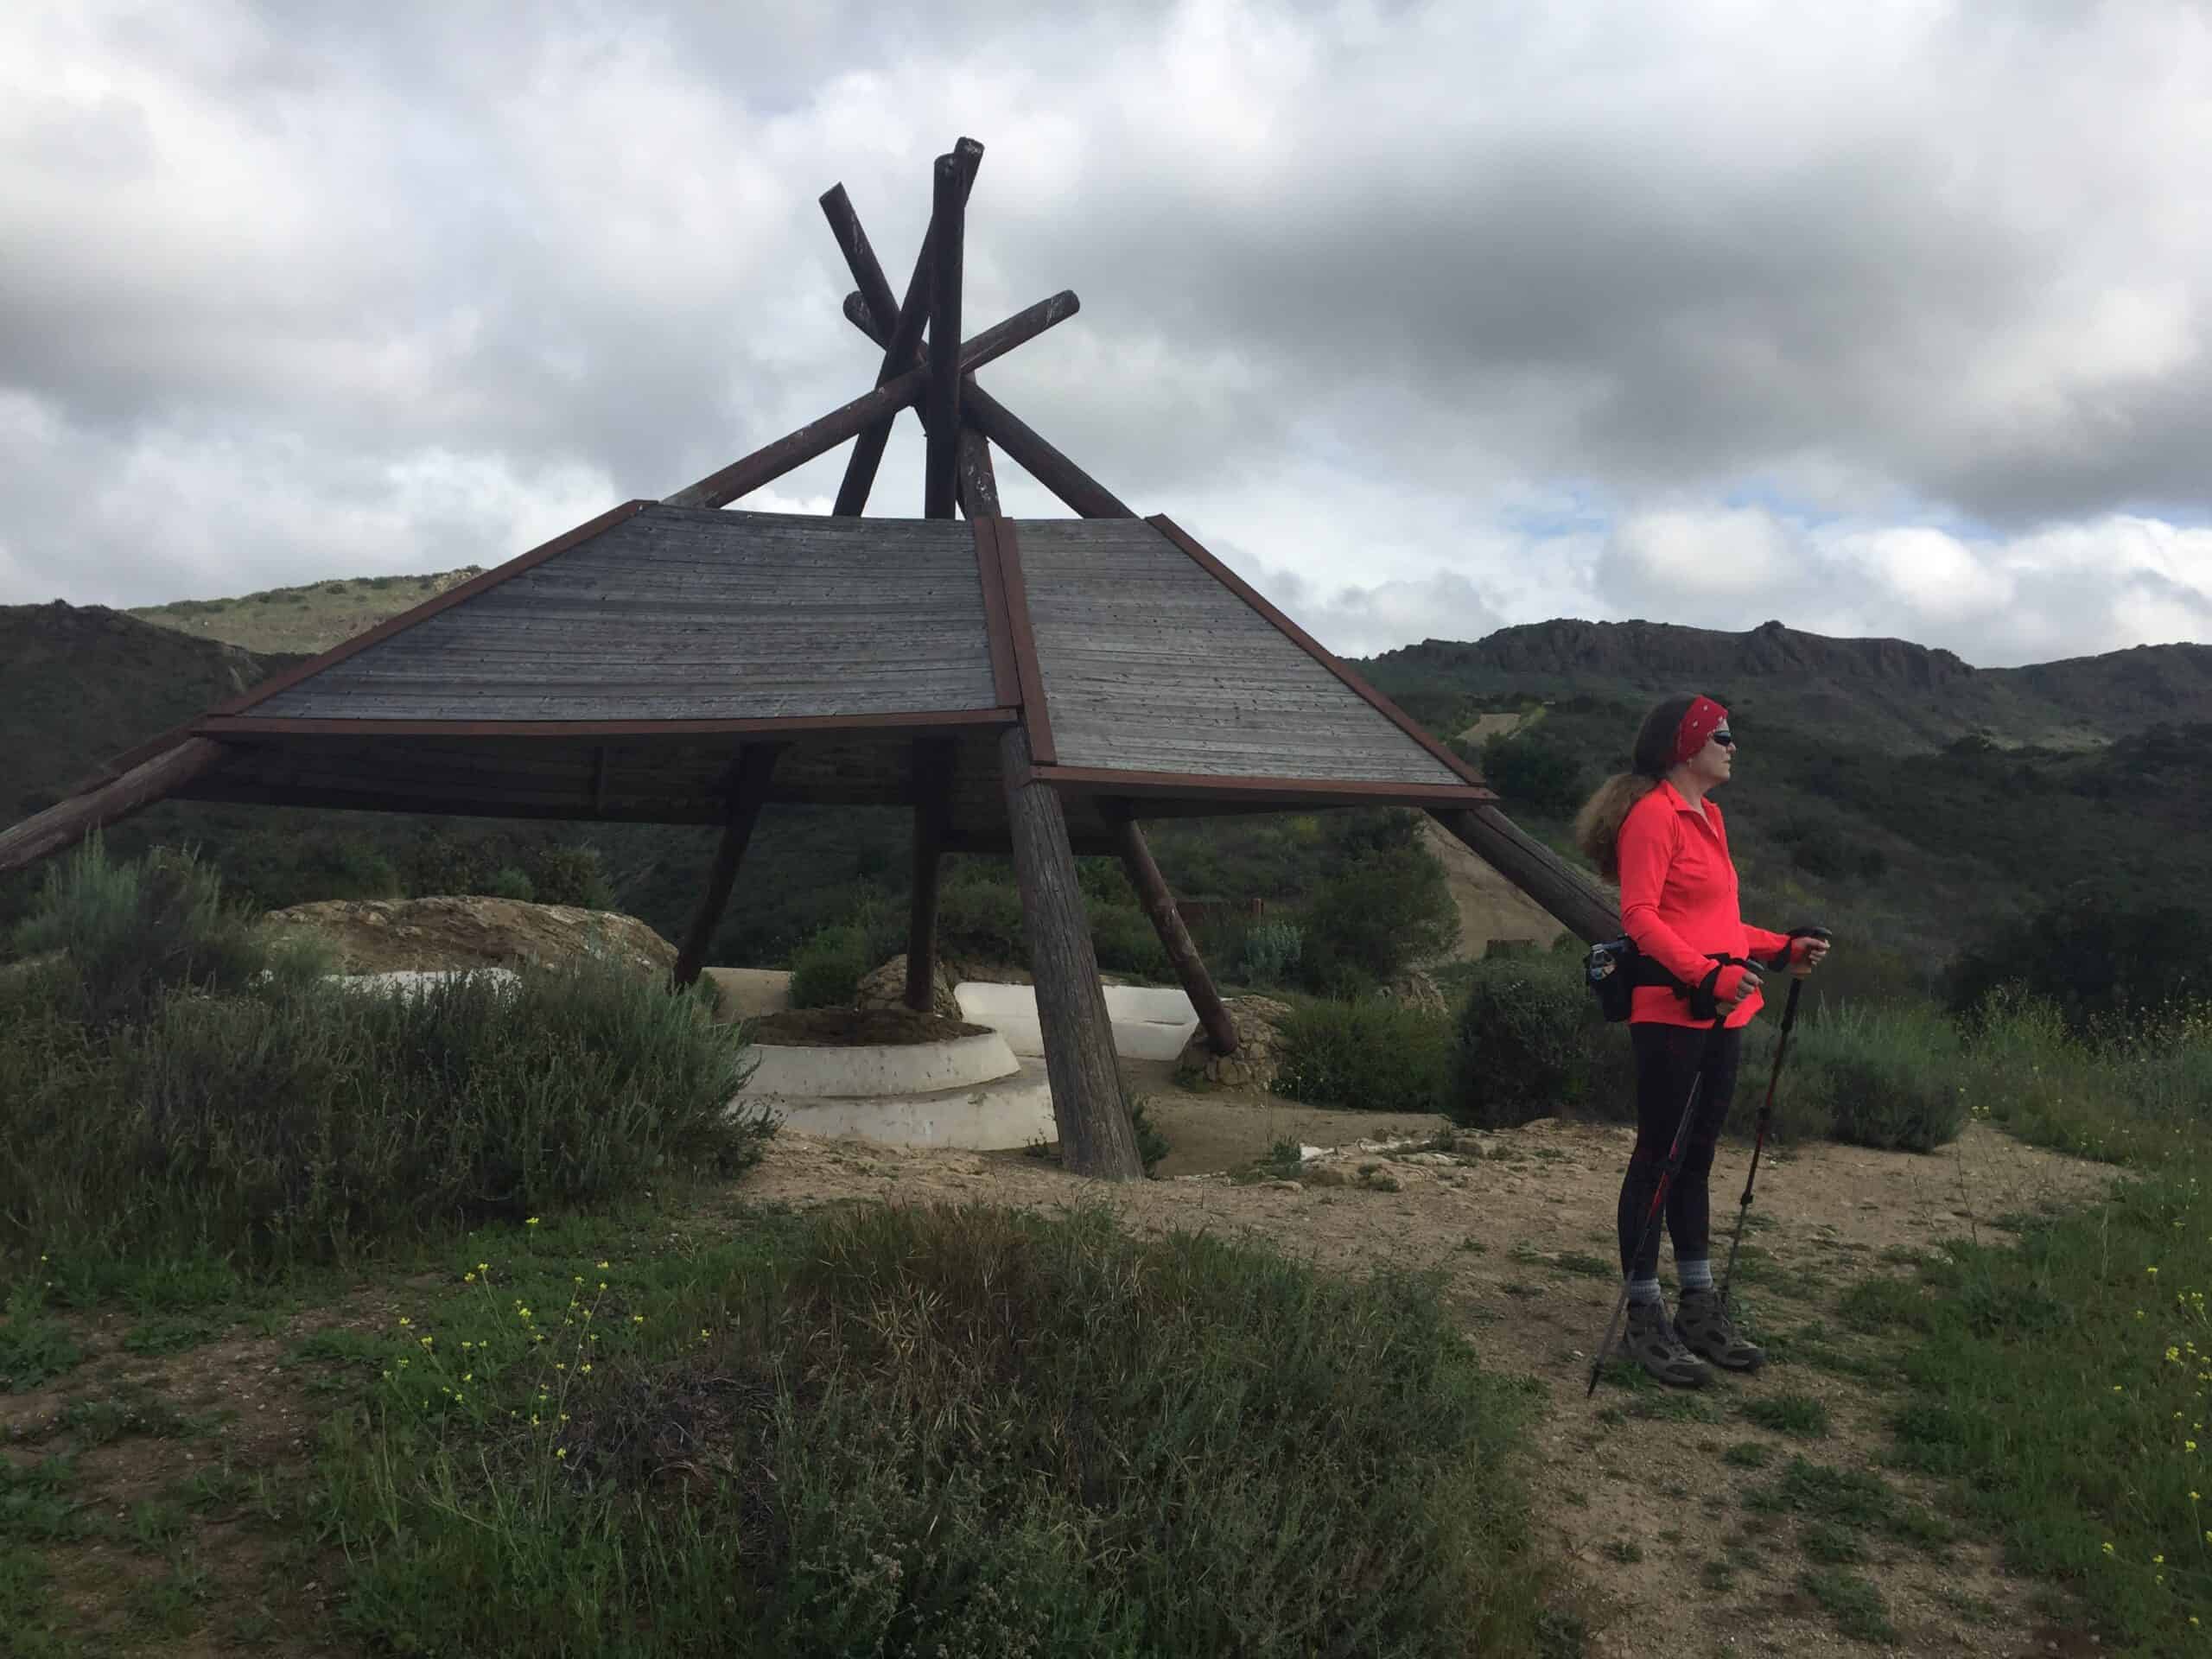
<point>1878,687</point>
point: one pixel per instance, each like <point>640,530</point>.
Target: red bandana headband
<point>1705,718</point>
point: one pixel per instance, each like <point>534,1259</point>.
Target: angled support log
<point>948,239</point>
<point>1096,1136</point>
<point>764,466</point>
<point>979,482</point>
<point>1160,904</point>
<point>903,344</point>
<point>1580,905</point>
<point>1085,494</point>
<point>748,795</point>
<point>67,822</point>
<point>933,758</point>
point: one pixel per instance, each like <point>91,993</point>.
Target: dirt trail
<point>1629,1488</point>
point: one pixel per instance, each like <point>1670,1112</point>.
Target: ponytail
<point>1598,825</point>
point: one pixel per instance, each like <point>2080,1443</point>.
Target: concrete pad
<point>1010,1111</point>
<point>823,1072</point>
<point>408,981</point>
<point>752,993</point>
<point>1148,1024</point>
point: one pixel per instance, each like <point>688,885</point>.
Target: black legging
<point>1667,1060</point>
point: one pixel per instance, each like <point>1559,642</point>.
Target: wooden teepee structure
<point>1033,688</point>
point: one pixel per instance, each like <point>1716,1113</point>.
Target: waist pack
<point>1615,968</point>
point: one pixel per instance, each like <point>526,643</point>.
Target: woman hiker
<point>1656,831</point>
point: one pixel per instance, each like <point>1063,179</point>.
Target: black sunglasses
<point>1725,740</point>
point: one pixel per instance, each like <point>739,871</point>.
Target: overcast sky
<point>1876,319</point>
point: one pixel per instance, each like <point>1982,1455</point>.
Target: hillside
<point>302,619</point>
<point>1883,785</point>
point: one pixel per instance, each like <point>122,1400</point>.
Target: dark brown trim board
<point>1006,683</point>
<point>1036,717</point>
<point>270,726</point>
<point>1243,590</point>
<point>1289,790</point>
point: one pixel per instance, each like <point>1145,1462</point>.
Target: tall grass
<point>971,1431</point>
<point>212,1093</point>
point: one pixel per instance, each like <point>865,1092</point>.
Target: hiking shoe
<point>1650,1341</point>
<point>1705,1328</point>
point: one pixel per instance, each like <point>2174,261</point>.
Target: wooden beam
<point>67,822</point>
<point>1081,493</point>
<point>902,346</point>
<point>748,796</point>
<point>948,248</point>
<point>765,465</point>
<point>1175,939</point>
<point>979,483</point>
<point>933,761</point>
<point>1096,1136</point>
<point>1582,906</point>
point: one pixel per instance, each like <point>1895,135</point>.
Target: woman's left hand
<point>1805,953</point>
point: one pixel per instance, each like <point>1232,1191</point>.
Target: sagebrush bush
<point>1271,953</point>
<point>275,1115</point>
<point>1376,916</point>
<point>1530,1043</point>
<point>1888,1078</point>
<point>1370,1055</point>
<point>972,1431</point>
<point>827,970</point>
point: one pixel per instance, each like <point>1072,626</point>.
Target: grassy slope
<point>302,619</point>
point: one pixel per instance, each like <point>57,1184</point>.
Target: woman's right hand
<point>1733,986</point>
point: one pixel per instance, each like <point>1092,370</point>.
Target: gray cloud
<point>1439,316</point>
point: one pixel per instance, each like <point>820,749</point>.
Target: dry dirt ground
<point>1630,1488</point>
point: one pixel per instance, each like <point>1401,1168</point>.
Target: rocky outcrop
<point>886,988</point>
<point>1253,1065</point>
<point>377,935</point>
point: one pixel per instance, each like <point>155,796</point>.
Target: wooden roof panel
<point>677,614</point>
<point>1152,665</point>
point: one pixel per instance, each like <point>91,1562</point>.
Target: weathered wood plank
<point>67,822</point>
<point>941,479</point>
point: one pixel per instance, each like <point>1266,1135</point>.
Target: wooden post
<point>1048,466</point>
<point>67,822</point>
<point>765,465</point>
<point>902,344</point>
<point>1097,1137</point>
<point>933,787</point>
<point>1581,906</point>
<point>747,794</point>
<point>1159,903</point>
<point>948,235</point>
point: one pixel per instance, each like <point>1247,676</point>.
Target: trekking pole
<point>1658,1202</point>
<point>1766,1114</point>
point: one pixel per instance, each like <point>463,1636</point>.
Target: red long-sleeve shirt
<point>1679,902</point>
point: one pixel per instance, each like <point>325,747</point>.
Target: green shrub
<point>1151,1140</point>
<point>2096,951</point>
<point>1531,1043</point>
<point>969,1431</point>
<point>134,933</point>
<point>278,1117</point>
<point>1126,942</point>
<point>1270,953</point>
<point>569,874</point>
<point>827,970</point>
<point>1534,774</point>
<point>980,916</point>
<point>1887,1077</point>
<point>508,882</point>
<point>1376,916</point>
<point>1366,1056</point>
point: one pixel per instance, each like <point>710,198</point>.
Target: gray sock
<point>1694,1275</point>
<point>1643,1293</point>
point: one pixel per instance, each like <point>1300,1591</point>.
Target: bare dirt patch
<point>1637,1489</point>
